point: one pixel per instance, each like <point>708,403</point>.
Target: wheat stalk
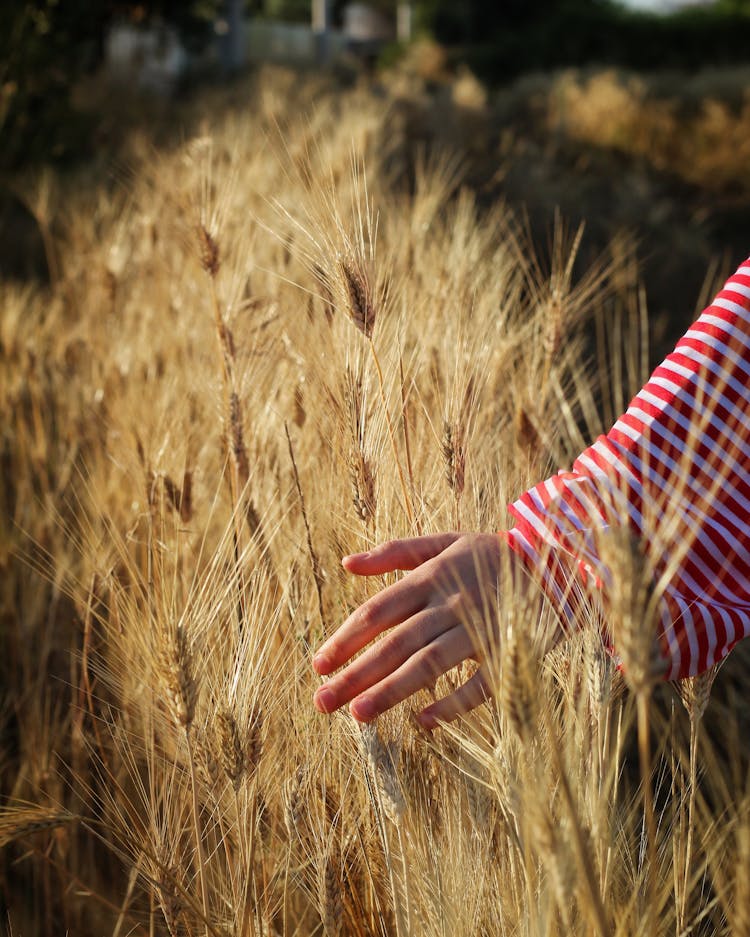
<point>633,601</point>
<point>314,562</point>
<point>233,416</point>
<point>695,693</point>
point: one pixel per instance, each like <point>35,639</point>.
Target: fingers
<point>451,577</point>
<point>467,697</point>
<point>398,554</point>
<point>421,670</point>
<point>390,607</point>
<point>384,657</point>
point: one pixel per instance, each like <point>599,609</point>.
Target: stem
<point>248,921</point>
<point>694,721</point>
<point>644,754</point>
<point>407,902</point>
<point>231,869</point>
<point>615,775</point>
<point>285,898</point>
<point>198,837</point>
<point>679,875</point>
<point>236,483</point>
<point>392,435</point>
<point>405,424</point>
<point>132,879</point>
<point>251,907</point>
<point>397,909</point>
<point>589,877</point>
<point>317,578</point>
<point>374,793</point>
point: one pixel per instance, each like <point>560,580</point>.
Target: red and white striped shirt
<point>677,466</point>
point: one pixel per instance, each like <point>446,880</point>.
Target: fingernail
<point>321,662</point>
<point>363,709</point>
<point>353,556</point>
<point>324,700</point>
<point>426,721</point>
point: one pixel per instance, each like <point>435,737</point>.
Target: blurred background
<point>629,116</point>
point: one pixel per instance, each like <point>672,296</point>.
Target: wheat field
<point>262,349</point>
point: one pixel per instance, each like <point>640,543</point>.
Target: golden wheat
<point>253,361</point>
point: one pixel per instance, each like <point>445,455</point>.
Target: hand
<point>441,613</point>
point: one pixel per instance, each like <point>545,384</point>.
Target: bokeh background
<point>628,116</point>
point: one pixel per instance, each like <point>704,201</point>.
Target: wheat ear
<point>175,660</point>
<point>329,895</point>
<point>18,821</point>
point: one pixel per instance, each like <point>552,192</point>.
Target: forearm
<point>674,469</point>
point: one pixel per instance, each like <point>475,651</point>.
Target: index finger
<point>389,607</point>
<point>398,554</point>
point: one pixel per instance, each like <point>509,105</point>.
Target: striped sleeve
<point>676,469</point>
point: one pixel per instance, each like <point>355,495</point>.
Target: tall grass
<point>251,362</point>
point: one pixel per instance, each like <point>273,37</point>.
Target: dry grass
<point>707,147</point>
<point>322,364</point>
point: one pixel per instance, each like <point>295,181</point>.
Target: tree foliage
<point>501,40</point>
<point>46,45</point>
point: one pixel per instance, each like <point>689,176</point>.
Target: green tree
<point>738,7</point>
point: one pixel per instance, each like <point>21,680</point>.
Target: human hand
<point>440,614</point>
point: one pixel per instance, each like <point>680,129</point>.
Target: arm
<point>676,467</point>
